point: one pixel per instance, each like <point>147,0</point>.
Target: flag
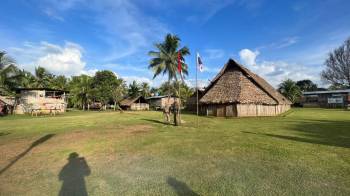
<point>199,63</point>
<point>179,63</point>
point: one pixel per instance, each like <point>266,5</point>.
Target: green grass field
<point>306,152</point>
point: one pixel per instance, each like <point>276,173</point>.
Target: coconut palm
<point>81,90</point>
<point>9,74</point>
<point>145,89</point>
<point>289,89</point>
<point>134,89</point>
<point>165,60</point>
<point>42,78</point>
<point>27,79</point>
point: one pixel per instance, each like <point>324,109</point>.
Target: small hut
<point>134,103</point>
<point>159,102</point>
<point>236,92</point>
<point>40,100</point>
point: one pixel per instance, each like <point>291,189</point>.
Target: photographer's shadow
<point>72,176</point>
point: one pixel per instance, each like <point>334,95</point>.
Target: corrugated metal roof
<point>326,92</point>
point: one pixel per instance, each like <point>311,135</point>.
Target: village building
<point>326,99</point>
<point>191,103</point>
<point>134,103</point>
<point>237,92</point>
<point>159,102</point>
<point>40,100</point>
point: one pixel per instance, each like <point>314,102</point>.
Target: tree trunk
<point>88,106</point>
<point>115,105</point>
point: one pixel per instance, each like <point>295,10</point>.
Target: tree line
<point>336,73</point>
<point>105,87</point>
<point>84,90</point>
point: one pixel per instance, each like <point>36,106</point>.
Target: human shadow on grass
<point>324,132</point>
<point>33,145</point>
<point>73,175</point>
<point>180,188</point>
<point>156,121</point>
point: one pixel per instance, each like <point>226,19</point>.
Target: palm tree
<point>165,60</point>
<point>289,89</point>
<point>134,89</point>
<point>145,89</point>
<point>59,82</point>
<point>119,92</point>
<point>27,79</point>
<point>81,90</point>
<point>42,78</point>
<point>9,74</point>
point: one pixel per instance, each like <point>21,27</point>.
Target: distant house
<point>159,102</point>
<point>40,100</point>
<point>236,91</point>
<point>134,103</point>
<point>326,99</point>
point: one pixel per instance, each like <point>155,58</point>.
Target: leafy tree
<point>145,89</point>
<point>104,82</point>
<point>173,89</point>
<point>9,74</point>
<point>119,92</point>
<point>134,89</point>
<point>337,70</point>
<point>306,85</point>
<point>289,89</point>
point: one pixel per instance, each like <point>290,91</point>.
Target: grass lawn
<point>306,152</point>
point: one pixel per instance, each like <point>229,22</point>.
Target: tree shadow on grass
<point>4,133</point>
<point>33,145</point>
<point>73,175</point>
<point>324,132</point>
<point>156,121</point>
<point>180,188</point>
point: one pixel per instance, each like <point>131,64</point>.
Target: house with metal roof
<point>326,99</point>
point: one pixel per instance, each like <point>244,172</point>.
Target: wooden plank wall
<point>243,110</point>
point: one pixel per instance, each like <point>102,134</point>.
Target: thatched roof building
<point>236,91</point>
<point>134,103</point>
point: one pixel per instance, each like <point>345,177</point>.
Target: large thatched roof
<point>236,84</point>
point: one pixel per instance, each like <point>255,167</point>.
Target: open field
<point>306,152</point>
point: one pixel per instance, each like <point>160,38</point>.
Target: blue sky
<point>275,39</point>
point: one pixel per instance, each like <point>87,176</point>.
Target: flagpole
<point>197,85</point>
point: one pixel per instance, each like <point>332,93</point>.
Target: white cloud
<point>210,54</point>
<point>138,79</point>
<point>277,71</point>
<point>248,57</point>
<point>60,60</point>
<point>287,42</point>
